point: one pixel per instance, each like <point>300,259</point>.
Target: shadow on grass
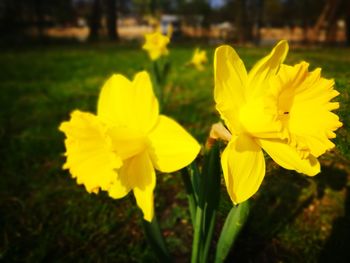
<point>337,247</point>
<point>284,197</point>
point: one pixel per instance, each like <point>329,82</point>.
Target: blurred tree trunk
<point>112,19</point>
<point>347,21</point>
<point>259,19</point>
<point>95,20</point>
<point>334,15</point>
<point>305,21</point>
<point>243,24</point>
<point>39,18</point>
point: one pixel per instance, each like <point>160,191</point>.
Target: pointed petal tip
<point>282,47</point>
<point>148,218</point>
<point>283,43</point>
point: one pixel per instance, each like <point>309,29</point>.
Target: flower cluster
<point>281,109</point>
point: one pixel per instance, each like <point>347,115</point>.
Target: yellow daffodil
<point>118,149</point>
<point>199,59</point>
<point>156,44</point>
<point>284,110</point>
<point>170,30</point>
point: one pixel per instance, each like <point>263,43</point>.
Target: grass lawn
<point>46,216</point>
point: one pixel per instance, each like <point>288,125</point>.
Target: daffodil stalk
<point>156,47</point>
<point>160,72</point>
<point>208,202</point>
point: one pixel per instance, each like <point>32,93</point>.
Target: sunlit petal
<point>131,104</point>
<point>140,176</point>
<point>265,68</point>
<point>171,146</point>
<point>289,158</point>
<point>243,167</point>
<point>230,84</point>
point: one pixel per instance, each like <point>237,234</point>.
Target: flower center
<point>127,142</point>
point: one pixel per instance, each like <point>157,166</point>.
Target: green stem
<point>190,193</point>
<point>234,222</point>
<point>157,82</point>
<point>197,236</point>
<point>208,201</point>
<point>208,238</point>
<point>156,240</point>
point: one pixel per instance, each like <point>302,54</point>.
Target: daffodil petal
<point>125,103</point>
<point>258,77</point>
<point>171,146</point>
<point>90,156</point>
<point>230,84</point>
<point>140,174</point>
<point>127,142</point>
<point>243,167</point>
<point>289,158</point>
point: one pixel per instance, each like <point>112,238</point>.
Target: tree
<point>347,21</point>
<point>95,20</point>
<point>112,16</point>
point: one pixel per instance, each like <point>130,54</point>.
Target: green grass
<point>46,216</point>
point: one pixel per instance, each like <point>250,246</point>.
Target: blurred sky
<point>217,3</point>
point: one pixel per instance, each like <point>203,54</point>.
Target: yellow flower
<point>199,58</point>
<point>170,30</point>
<point>284,110</point>
<point>118,149</point>
<point>156,44</point>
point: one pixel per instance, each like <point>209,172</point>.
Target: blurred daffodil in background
<point>119,149</point>
<point>170,30</point>
<point>284,110</point>
<point>199,58</point>
<point>156,44</point>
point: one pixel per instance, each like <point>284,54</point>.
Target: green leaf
<point>156,241</point>
<point>233,225</point>
<point>210,196</point>
<point>191,196</point>
<point>208,201</point>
